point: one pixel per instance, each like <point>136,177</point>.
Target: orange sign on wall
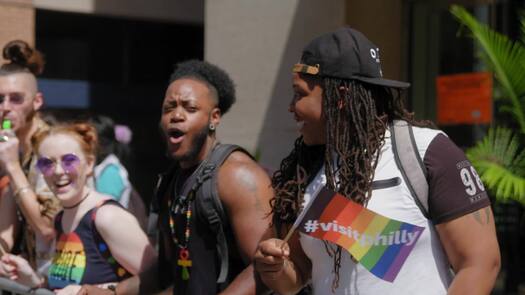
<point>464,98</point>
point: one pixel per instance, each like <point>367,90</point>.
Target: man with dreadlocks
<point>345,109</point>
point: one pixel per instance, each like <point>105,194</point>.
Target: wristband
<point>20,191</point>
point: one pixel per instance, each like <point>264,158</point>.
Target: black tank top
<point>202,248</point>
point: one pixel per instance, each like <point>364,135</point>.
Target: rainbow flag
<point>379,243</point>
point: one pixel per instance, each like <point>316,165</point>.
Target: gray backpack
<point>410,163</point>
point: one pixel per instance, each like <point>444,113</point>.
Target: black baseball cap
<point>345,54</point>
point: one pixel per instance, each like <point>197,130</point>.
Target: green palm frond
<point>504,56</point>
<point>500,161</point>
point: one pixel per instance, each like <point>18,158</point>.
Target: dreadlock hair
<point>356,116</point>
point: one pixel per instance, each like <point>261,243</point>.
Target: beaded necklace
<point>183,204</point>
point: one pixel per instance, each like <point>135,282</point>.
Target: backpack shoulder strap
<point>163,184</point>
<point>409,163</point>
<point>159,194</point>
<point>209,204</point>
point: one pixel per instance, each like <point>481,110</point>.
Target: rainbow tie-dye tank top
<point>82,256</point>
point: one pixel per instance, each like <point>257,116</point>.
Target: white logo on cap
<point>374,53</point>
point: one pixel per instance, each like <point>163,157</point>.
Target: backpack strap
<point>159,194</point>
<point>209,204</point>
<point>409,163</point>
<point>161,188</point>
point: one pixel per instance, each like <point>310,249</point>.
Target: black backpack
<point>207,202</point>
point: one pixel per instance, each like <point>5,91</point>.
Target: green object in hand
<point>6,124</point>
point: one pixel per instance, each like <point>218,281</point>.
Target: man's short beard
<point>196,146</point>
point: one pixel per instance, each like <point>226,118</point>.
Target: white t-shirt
<point>426,270</point>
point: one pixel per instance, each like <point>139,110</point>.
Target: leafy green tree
<point>500,157</point>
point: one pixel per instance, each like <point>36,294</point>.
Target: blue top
<point>110,182</point>
<point>111,178</point>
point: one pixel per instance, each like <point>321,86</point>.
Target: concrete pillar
<point>382,22</point>
<point>17,21</point>
<point>257,43</point>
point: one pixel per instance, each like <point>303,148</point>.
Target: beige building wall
<point>17,21</point>
<point>382,22</point>
<point>181,11</point>
<point>257,42</point>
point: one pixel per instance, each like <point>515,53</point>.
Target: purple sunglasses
<point>69,163</point>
